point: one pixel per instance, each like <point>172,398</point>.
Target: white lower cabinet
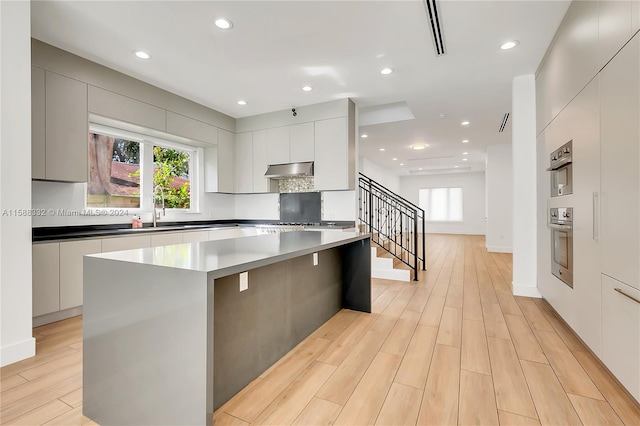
<point>71,254</point>
<point>224,234</point>
<point>195,236</point>
<point>46,278</point>
<point>621,332</point>
<point>125,243</point>
<point>166,239</point>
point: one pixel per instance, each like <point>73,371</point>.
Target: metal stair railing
<point>393,222</point>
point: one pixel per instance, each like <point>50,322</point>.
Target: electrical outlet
<point>244,281</point>
<point>315,259</point>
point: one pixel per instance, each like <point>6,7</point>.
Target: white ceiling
<point>338,48</point>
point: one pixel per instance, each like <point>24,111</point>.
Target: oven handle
<point>560,227</point>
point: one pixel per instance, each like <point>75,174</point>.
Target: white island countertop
<point>226,257</point>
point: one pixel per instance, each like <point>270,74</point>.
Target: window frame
<point>147,143</point>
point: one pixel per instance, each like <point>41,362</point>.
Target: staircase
<point>394,224</point>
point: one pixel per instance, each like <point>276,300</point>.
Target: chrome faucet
<point>156,214</point>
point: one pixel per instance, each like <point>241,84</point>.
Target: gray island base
<point>168,336</point>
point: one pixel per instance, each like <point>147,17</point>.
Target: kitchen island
<point>170,333</point>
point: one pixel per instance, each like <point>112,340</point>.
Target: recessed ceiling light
<point>142,54</point>
<point>465,123</point>
<point>307,88</point>
<point>386,71</point>
<point>241,102</point>
<point>381,149</point>
<point>465,159</point>
<point>456,166</point>
<point>419,168</point>
<point>418,146</point>
<point>223,23</point>
<point>465,141</point>
<point>465,153</point>
<point>394,159</point>
<point>509,45</point>
<point>442,115</point>
<point>402,164</point>
<point>364,135</point>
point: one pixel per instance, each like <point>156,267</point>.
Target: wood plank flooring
<point>453,348</point>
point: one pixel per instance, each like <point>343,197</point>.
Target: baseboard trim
<point>17,351</point>
<point>499,249</point>
<point>525,290</point>
<point>57,316</point>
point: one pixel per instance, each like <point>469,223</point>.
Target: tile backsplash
<point>301,184</point>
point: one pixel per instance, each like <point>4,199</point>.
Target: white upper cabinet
<point>278,145</point>
<point>614,28</point>
<point>244,162</point>
<point>331,168</point>
<point>259,155</point>
<point>226,161</point>
<point>570,64</point>
<point>193,129</point>
<point>291,144</point>
<point>66,129</point>
<point>112,105</point>
<point>620,165</point>
<point>301,142</point>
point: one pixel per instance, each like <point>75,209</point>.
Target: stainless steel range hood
<point>283,171</point>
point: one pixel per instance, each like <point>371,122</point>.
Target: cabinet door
<point>225,234</point>
<point>46,278</point>
<point>278,145</point>
<point>635,16</point>
<point>113,105</point>
<point>331,154</point>
<point>66,129</point>
<point>582,118</point>
<point>195,236</point>
<point>71,262</point>
<point>244,162</point>
<point>621,333</point>
<point>189,128</point>
<point>166,239</point>
<point>620,157</point>
<point>226,160</point>
<point>301,142</point>
<point>260,183</point>
<point>37,124</point>
<point>614,27</point>
<point>125,243</point>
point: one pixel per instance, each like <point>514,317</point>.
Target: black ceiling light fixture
<point>434,23</point>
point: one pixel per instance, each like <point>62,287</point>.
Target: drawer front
<point>195,236</point>
<point>125,243</point>
<point>621,332</point>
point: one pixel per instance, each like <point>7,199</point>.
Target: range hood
<point>283,171</point>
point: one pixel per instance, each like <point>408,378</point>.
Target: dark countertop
<point>92,231</point>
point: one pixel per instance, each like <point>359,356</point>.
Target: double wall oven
<point>561,218</point>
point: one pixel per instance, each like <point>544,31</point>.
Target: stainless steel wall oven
<point>561,226</point>
<point>561,170</point>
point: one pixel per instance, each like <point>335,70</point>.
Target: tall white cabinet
<point>600,111</point>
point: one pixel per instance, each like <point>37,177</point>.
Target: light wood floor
<point>454,348</point>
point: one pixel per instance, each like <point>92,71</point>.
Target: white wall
<point>473,188</point>
<point>382,175</point>
<point>524,181</point>
<point>338,205</point>
<point>16,341</point>
<point>52,196</point>
<point>499,182</point>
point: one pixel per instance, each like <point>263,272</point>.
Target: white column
<point>524,186</point>
<point>16,341</point>
<point>499,187</point>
